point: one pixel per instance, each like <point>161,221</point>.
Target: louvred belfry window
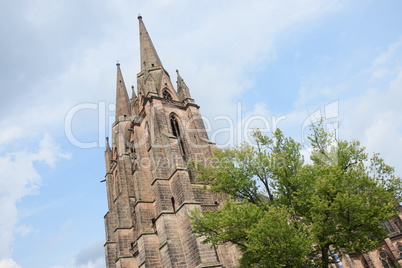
<point>166,95</point>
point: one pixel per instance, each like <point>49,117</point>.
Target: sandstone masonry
<point>150,191</point>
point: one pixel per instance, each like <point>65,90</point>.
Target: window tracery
<point>166,95</point>
<point>386,260</point>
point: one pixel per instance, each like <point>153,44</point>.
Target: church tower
<point>149,189</point>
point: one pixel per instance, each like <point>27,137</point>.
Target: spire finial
<point>133,96</point>
<point>107,144</point>
<point>179,79</point>
<point>182,89</point>
<point>139,16</point>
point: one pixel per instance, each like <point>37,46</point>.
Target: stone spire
<point>122,101</point>
<point>107,145</point>
<point>182,89</point>
<point>133,96</point>
<point>149,57</point>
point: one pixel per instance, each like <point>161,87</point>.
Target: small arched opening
<point>166,95</point>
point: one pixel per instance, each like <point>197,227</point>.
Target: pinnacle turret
<point>133,95</point>
<point>122,100</point>
<point>107,145</point>
<point>182,89</point>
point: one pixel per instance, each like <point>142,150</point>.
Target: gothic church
<point>150,191</point>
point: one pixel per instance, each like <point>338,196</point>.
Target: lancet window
<point>176,132</point>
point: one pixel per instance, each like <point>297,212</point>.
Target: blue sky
<point>278,61</point>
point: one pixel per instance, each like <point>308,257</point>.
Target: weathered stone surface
<point>150,192</point>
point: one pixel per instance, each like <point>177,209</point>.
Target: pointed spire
<point>122,101</point>
<point>107,144</point>
<point>182,89</point>
<point>133,96</point>
<point>149,57</point>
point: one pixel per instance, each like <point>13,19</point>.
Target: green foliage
<point>260,234</point>
<point>277,240</point>
<point>285,213</point>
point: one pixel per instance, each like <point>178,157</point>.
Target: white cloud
<point>8,134</point>
<point>90,254</point>
<point>381,63</point>
<point>98,263</point>
<point>379,73</point>
<point>20,178</point>
<point>38,16</point>
<point>374,116</point>
<point>8,263</point>
<point>90,257</point>
<point>387,55</point>
<point>23,230</point>
<point>376,119</point>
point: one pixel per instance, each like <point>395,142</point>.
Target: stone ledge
<point>158,179</point>
<point>142,202</point>
<point>164,212</point>
<point>163,244</point>
<point>145,233</point>
<point>123,228</point>
<point>205,265</point>
<point>124,257</point>
<point>188,203</point>
<point>207,141</point>
<point>109,242</point>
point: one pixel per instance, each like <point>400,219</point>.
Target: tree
<point>283,212</point>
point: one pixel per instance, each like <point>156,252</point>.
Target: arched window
<point>386,260</point>
<point>399,247</point>
<point>176,132</point>
<point>398,225</point>
<point>388,227</point>
<point>166,95</point>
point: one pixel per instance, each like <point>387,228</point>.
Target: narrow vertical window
<point>389,228</point>
<point>176,132</point>
<point>153,225</point>
<point>173,204</point>
<point>397,224</point>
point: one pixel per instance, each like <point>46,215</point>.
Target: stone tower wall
<point>150,191</point>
